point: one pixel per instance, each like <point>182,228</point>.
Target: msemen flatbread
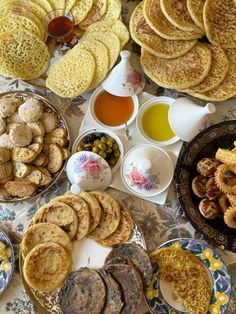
<point>43,233</point>
<point>159,23</point>
<point>178,73</point>
<point>220,22</point>
<point>195,9</point>
<point>152,42</point>
<point>81,9</point>
<point>22,55</point>
<point>177,13</point>
<point>46,266</point>
<point>218,70</point>
<point>65,81</point>
<point>95,14</point>
<point>227,88</point>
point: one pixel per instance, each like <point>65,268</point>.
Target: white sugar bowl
<point>88,171</point>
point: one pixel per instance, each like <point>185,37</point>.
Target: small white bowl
<point>155,100</point>
<point>92,100</point>
<point>81,136</point>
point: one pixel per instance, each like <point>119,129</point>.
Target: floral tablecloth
<point>158,223</point>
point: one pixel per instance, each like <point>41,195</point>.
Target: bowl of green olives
<point>102,142</point>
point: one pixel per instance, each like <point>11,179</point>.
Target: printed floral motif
<point>6,265</point>
<point>134,79</point>
<point>215,264</point>
<point>7,215</point>
<point>20,305</point>
<point>207,254</point>
<point>143,181</point>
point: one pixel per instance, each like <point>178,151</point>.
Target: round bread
<point>113,304</point>
<point>110,216</point>
<point>159,23</point>
<point>59,214</point>
<point>94,209</point>
<point>123,231</point>
<point>97,11</point>
<point>83,292</point>
<point>31,110</point>
<point>31,59</point>
<point>82,211</point>
<point>195,9</point>
<point>43,233</point>
<point>8,106</point>
<point>81,9</point>
<point>130,283</point>
<point>152,42</point>
<point>177,73</point>
<point>21,135</point>
<point>136,255</point>
<point>46,266</point>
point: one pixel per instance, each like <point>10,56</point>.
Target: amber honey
<point>60,27</point>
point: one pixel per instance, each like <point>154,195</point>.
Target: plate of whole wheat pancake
<point>82,241</point>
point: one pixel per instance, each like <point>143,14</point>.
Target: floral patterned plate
<point>7,265</point>
<point>159,293</point>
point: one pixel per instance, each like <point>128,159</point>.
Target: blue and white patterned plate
<point>6,266</point>
<point>159,293</point>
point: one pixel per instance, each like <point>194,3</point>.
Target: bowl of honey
<point>153,123</point>
<point>111,111</point>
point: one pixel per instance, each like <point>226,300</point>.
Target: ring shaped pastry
<point>219,178</point>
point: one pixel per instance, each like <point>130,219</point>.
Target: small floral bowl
<point>147,170</point>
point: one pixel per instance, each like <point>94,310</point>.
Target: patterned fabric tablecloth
<point>158,223</point>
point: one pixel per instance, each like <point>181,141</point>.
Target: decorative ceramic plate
<point>6,266</point>
<point>159,293</point>
<point>86,253</point>
<point>205,144</point>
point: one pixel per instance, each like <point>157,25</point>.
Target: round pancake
<point>59,214</point>
<point>45,4</point>
<point>22,55</point>
<point>58,4</point>
<point>227,88</point>
<point>152,42</point>
<point>179,73</point>
<point>70,4</point>
<point>195,9</point>
<point>159,23</point>
<point>113,304</point>
<point>94,209</point>
<point>219,21</point>
<point>130,283</point>
<point>82,211</point>
<point>80,10</point>
<point>97,11</point>
<point>42,233</point>
<point>113,11</point>
<point>136,255</point>
<point>110,216</point>
<point>83,292</point>
<point>110,40</point>
<point>46,266</point>
<point>123,231</point>
<point>64,80</point>
<point>177,13</point>
<point>218,70</point>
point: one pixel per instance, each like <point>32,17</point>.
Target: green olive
<point>102,146</point>
<point>95,150</point>
<point>116,153</point>
<point>80,148</point>
<point>109,150</point>
<point>112,162</point>
<point>115,146</point>
<point>103,139</point>
<point>96,143</point>
<point>102,154</point>
<point>109,143</point>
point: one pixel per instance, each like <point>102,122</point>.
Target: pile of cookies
<point>33,145</point>
<point>173,52</point>
<point>216,185</point>
<point>116,288</point>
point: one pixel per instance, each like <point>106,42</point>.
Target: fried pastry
<point>224,203</point>
<point>230,217</point>
<point>232,199</point>
<point>223,184</point>
<point>199,186</point>
<point>226,156</point>
<point>209,209</point>
<point>207,166</point>
<point>212,191</point>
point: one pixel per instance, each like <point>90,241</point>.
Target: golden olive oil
<point>155,123</point>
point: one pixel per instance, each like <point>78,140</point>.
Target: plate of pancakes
<point>188,277</point>
<point>84,254</point>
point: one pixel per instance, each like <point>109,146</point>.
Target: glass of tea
<point>59,24</point>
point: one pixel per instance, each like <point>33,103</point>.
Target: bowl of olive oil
<point>152,121</point>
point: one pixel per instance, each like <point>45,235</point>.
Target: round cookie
<point>8,106</point>
<point>5,169</point>
<point>21,135</point>
<point>31,110</point>
<point>5,141</point>
<point>50,121</point>
<point>199,185</point>
<point>5,154</point>
<point>209,209</point>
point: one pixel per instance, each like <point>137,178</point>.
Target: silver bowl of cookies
<point>34,145</point>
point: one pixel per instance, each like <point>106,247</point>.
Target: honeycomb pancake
<point>177,73</point>
<point>80,10</point>
<point>152,42</point>
<point>218,70</point>
<point>195,9</point>
<point>188,276</point>
<point>177,13</point>
<point>22,55</point>
<point>131,285</point>
<point>43,233</point>
<point>220,22</point>
<point>97,11</point>
<point>45,4</point>
<point>83,292</point>
<point>123,231</point>
<point>59,214</point>
<point>159,23</point>
<point>113,304</point>
<point>136,255</point>
<point>46,266</point>
<point>113,10</point>
<point>58,4</point>
<point>110,216</point>
<point>227,88</point>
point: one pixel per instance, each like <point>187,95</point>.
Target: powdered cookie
<point>21,135</point>
<point>31,110</point>
<point>8,105</point>
<point>5,141</point>
<point>50,121</point>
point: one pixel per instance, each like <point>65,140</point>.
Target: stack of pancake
<point>188,45</point>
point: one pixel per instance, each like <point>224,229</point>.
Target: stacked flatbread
<point>169,32</point>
